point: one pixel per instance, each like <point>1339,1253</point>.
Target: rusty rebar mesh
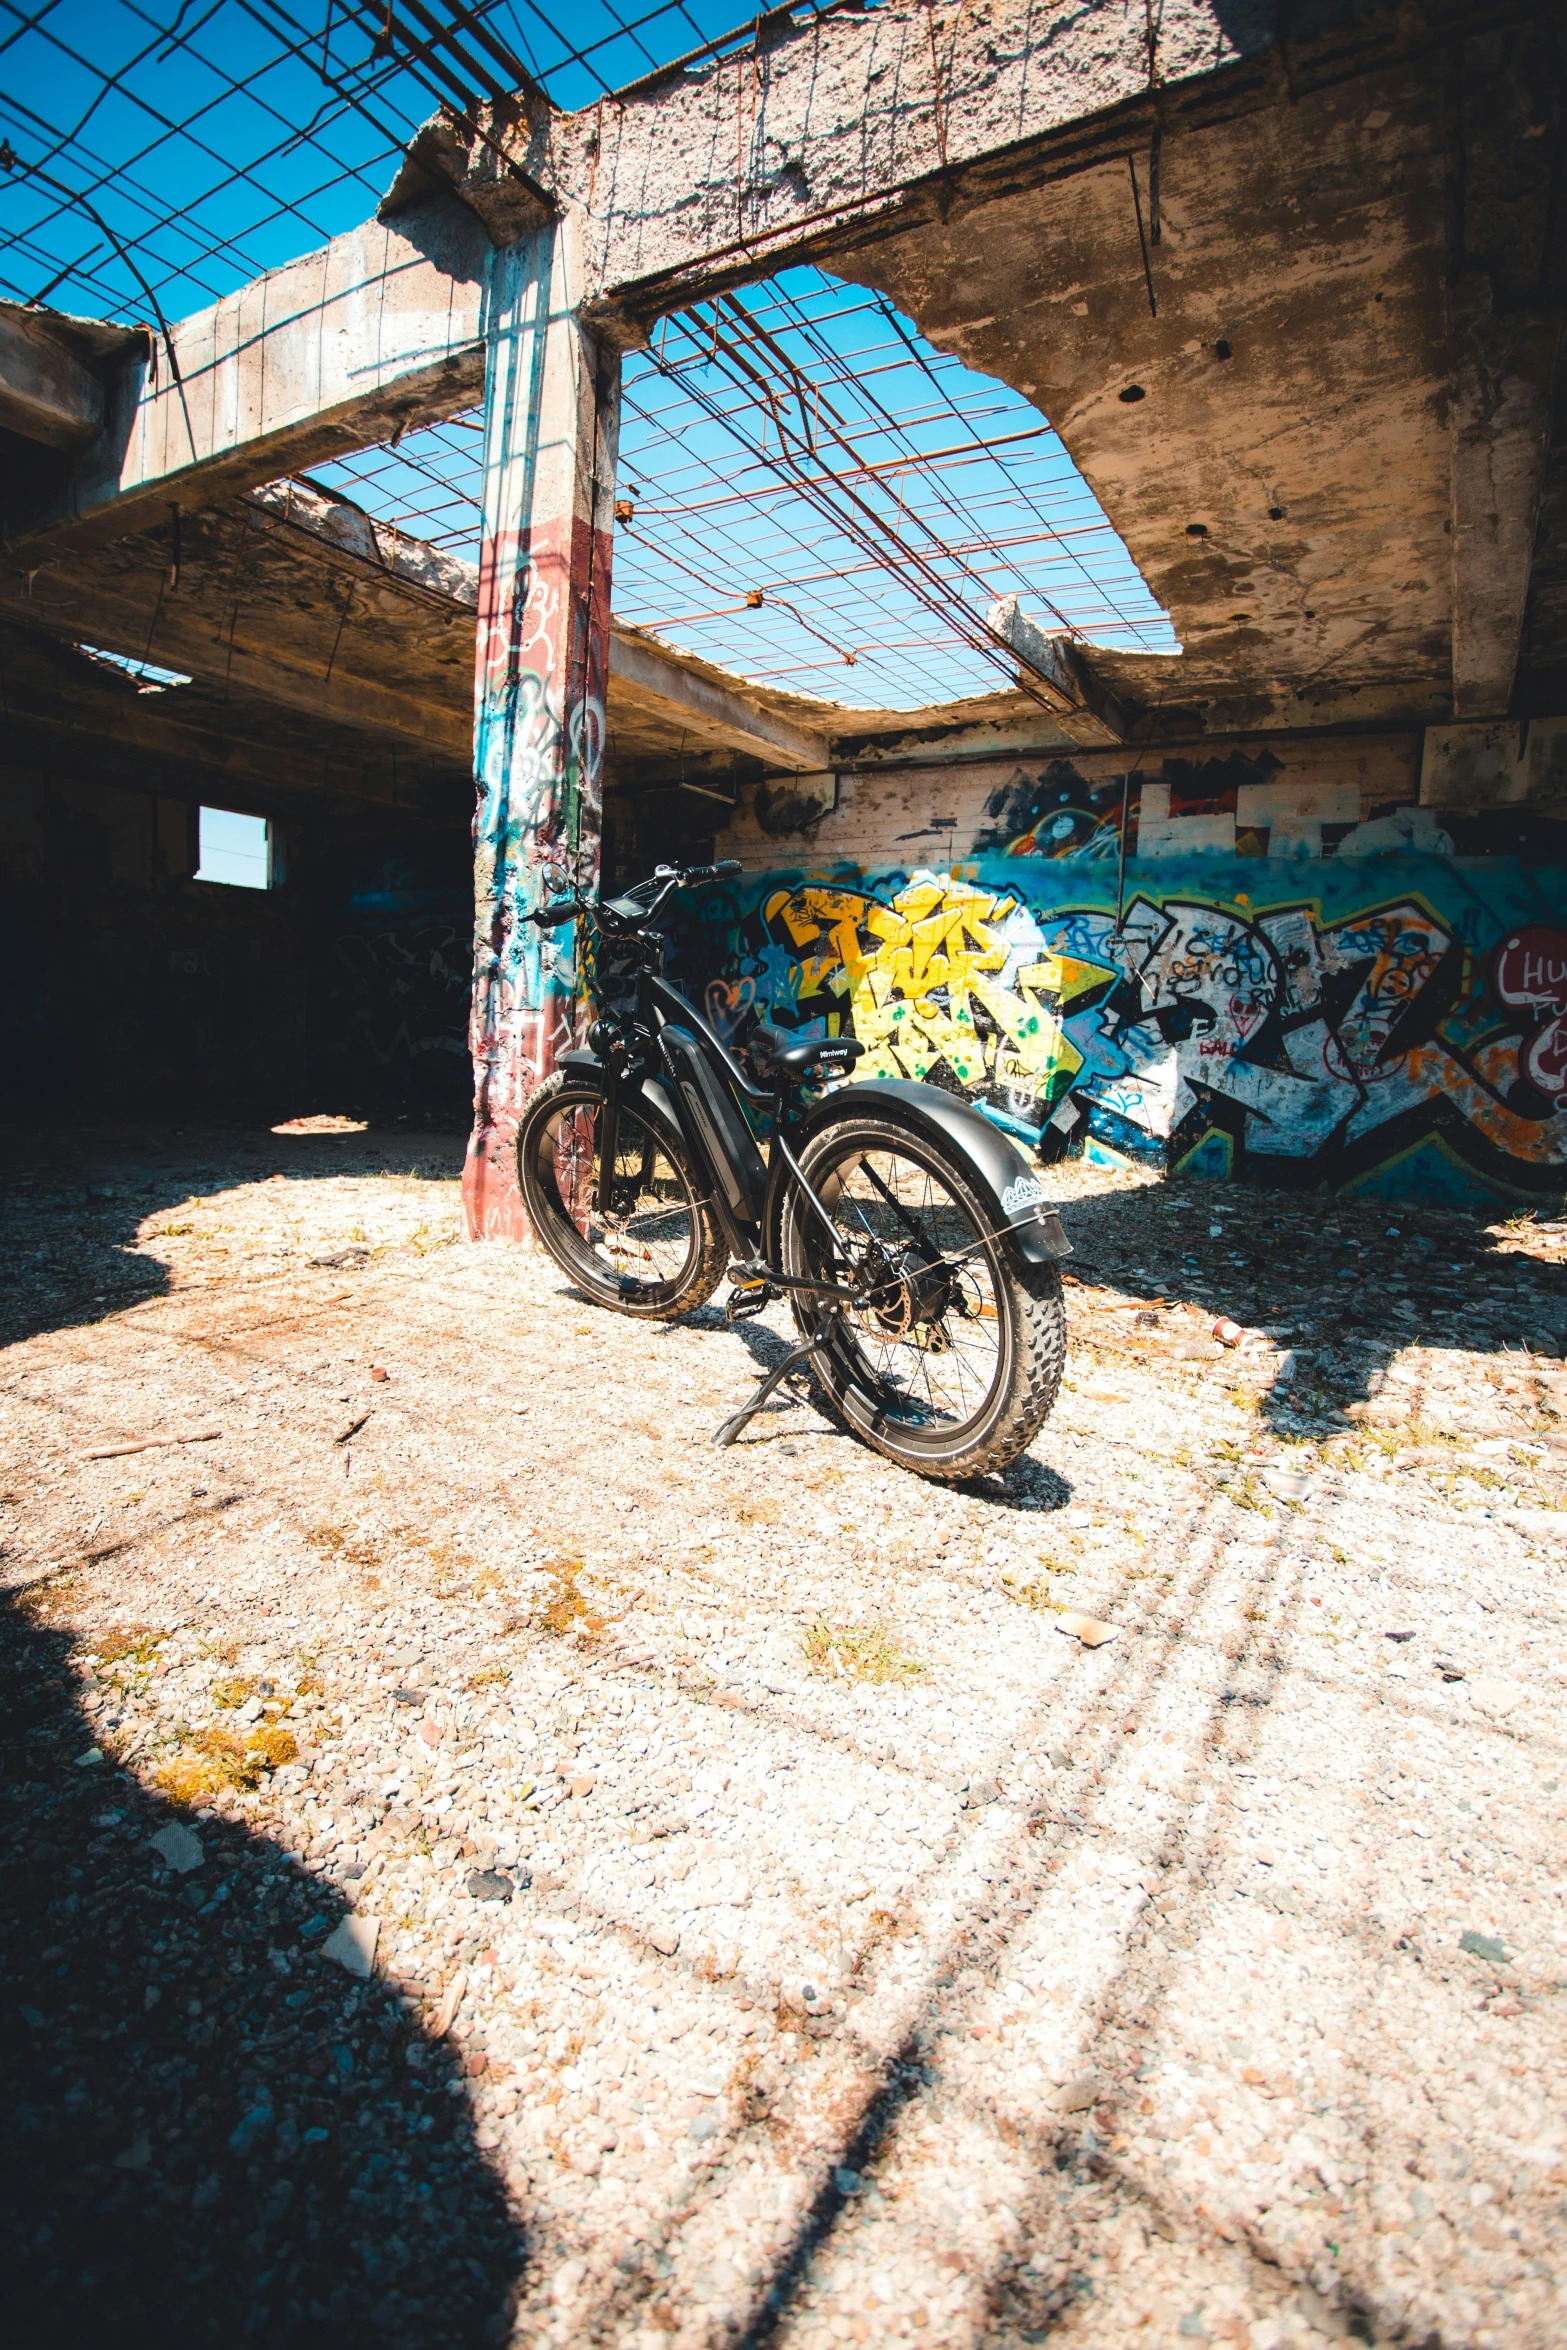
<point>813,496</point>
<point>154,158</point>
<point>821,499</point>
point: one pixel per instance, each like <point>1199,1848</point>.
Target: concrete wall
<point>1314,978</point>
<point>128,986</point>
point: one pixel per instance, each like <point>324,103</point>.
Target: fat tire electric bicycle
<point>916,1247</point>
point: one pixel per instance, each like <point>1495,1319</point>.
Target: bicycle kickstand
<point>776,1376</point>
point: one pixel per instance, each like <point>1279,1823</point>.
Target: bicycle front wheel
<point>653,1248</point>
<point>954,1359</point>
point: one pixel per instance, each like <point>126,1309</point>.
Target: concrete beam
<point>316,672</point>
<point>379,330</point>
<point>64,713</point>
<point>46,394</point>
<point>1052,668</point>
<point>856,123</point>
<point>1501,419</point>
<point>716,714</point>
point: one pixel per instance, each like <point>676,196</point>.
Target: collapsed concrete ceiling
<point>1310,374</point>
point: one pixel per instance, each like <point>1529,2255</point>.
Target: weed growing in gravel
<point>233,1693</point>
<point>563,1607</point>
<point>857,1652</point>
<point>224,1759</point>
<point>1034,1594</point>
<point>136,1641</point>
<point>489,1676</point>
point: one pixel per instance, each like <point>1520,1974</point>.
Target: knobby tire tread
<point>1039,1351</point>
<point>713,1257</point>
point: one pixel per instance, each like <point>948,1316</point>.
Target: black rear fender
<point>996,1167</point>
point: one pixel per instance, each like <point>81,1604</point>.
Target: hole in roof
<point>814,498</point>
<point>828,505</point>
<point>146,676</point>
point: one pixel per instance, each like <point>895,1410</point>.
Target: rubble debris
<point>115,1452</point>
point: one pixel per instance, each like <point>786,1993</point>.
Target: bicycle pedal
<point>746,1301</point>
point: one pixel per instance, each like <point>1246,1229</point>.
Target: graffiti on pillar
<point>538,752</point>
<point>1310,1040</point>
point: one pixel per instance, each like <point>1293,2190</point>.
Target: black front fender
<point>652,1090</point>
<point>997,1168</point>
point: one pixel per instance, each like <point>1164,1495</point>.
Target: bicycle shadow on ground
<point>1028,1484</point>
<point>215,2133</point>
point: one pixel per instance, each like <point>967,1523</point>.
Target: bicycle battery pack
<point>726,1140</point>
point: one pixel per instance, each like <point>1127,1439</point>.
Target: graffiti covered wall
<point>1300,973</point>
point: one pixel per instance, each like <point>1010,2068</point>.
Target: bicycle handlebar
<point>672,876</point>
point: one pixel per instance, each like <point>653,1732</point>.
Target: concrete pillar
<point>552,404</point>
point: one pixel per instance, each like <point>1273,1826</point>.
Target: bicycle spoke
<point>899,1225</point>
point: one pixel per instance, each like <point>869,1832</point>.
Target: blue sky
<point>214,141</point>
<point>162,155</point>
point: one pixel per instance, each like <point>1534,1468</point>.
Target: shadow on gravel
<point>1348,1284</point>
<point>72,1203</point>
<point>214,2134</point>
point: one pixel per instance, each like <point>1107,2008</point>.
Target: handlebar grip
<point>712,872</point>
<point>547,917</point>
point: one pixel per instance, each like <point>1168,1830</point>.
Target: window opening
<point>147,677</point>
<point>819,499</point>
<point>235,850</point>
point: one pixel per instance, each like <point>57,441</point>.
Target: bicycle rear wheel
<point>653,1249</point>
<point>954,1360</point>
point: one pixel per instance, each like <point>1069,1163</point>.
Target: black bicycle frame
<point>668,1055</point>
<point>675,1060</point>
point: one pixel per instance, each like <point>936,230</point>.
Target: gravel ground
<point>481,1864</point>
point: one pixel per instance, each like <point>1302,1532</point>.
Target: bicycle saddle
<point>777,1049</point>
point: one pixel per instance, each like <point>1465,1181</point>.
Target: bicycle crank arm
<point>752,1270</point>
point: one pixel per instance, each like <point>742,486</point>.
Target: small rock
<point>353,1944</point>
<point>93,1755</point>
<point>1483,1946</point>
<point>488,1885</point>
<point>706,2125</point>
<point>665,1940</point>
<point>180,1847</point>
<point>1088,1629</point>
<point>582,1784</point>
<point>451,2000</point>
<point>137,2155</point>
<point>1077,2095</point>
<point>379,1373</point>
<point>1495,1695</point>
<point>1288,1484</point>
<point>251,2129</point>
